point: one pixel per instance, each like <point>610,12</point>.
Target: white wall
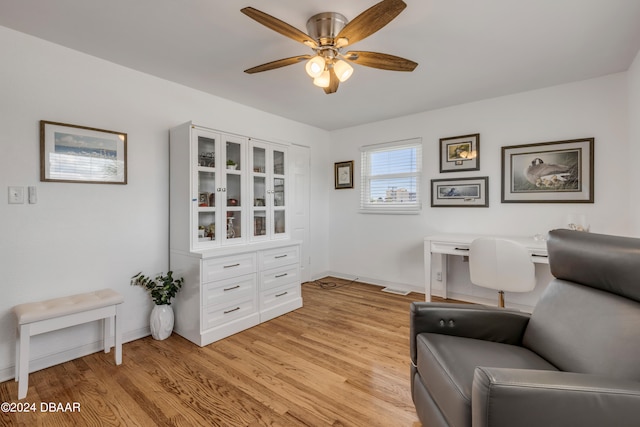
<point>82,237</point>
<point>388,248</point>
<point>634,144</point>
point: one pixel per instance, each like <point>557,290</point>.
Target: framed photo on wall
<point>70,153</point>
<point>460,153</point>
<point>548,172</point>
<point>460,192</point>
<point>343,173</point>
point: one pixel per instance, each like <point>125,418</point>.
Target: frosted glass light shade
<point>343,70</point>
<point>315,66</point>
<point>323,80</point>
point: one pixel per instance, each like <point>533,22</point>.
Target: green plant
<point>162,289</point>
<point>230,162</point>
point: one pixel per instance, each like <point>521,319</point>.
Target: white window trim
<point>395,209</point>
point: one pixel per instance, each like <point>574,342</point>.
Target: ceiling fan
<point>329,33</point>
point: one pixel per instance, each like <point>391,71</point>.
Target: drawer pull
<point>232,265</point>
<point>282,294</point>
<point>280,275</point>
<point>280,256</point>
<point>231,311</point>
<point>462,249</point>
<point>231,288</point>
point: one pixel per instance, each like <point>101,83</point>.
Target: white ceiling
<point>467,50</point>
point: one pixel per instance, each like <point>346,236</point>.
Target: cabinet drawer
<point>450,248</point>
<point>279,276</point>
<point>219,314</point>
<point>280,295</point>
<point>226,267</point>
<point>222,291</point>
<point>280,256</point>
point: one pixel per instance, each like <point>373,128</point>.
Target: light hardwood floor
<point>341,360</point>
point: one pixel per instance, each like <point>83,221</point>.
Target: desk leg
<point>427,271</point>
<point>444,258</point>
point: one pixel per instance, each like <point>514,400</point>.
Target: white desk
<point>458,244</point>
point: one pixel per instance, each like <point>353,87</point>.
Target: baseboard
<point>53,359</point>
<point>405,287</point>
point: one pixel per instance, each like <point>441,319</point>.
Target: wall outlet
<point>439,276</point>
<point>16,195</point>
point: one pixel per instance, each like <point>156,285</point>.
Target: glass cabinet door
<point>233,188</point>
<point>205,197</point>
<point>268,195</point>
<point>259,191</point>
<point>279,193</point>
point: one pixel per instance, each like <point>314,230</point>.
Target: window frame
<point>366,177</point>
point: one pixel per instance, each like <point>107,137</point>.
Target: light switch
<point>16,195</point>
<point>33,195</point>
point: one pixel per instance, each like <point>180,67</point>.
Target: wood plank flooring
<point>341,360</point>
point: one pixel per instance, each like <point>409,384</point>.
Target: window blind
<point>390,177</point>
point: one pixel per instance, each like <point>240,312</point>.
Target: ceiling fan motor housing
<point>325,26</point>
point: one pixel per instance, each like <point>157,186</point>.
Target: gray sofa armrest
<point>517,397</point>
<point>466,320</point>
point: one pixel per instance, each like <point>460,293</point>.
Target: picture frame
<point>460,192</point>
<point>72,153</point>
<point>460,153</point>
<point>343,174</point>
<point>548,172</point>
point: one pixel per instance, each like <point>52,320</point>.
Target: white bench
<point>44,316</point>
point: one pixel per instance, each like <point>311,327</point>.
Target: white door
<point>299,178</point>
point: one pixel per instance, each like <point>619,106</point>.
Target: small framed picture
<point>548,172</point>
<point>460,153</point>
<point>460,193</point>
<point>343,175</point>
<point>70,153</point>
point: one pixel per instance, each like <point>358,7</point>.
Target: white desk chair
<point>501,264</point>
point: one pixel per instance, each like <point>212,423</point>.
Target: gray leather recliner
<point>574,362</point>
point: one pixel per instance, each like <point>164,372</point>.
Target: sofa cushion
<point>446,366</point>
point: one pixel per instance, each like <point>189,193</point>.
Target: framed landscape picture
<point>460,153</point>
<point>70,153</point>
<point>548,172</point>
<point>460,192</point>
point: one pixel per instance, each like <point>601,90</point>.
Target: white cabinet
<point>229,233</point>
<point>269,190</point>
<point>231,289</point>
<point>209,170</point>
<point>279,281</point>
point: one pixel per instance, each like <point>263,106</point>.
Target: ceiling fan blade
<point>279,26</point>
<point>277,64</point>
<point>369,21</point>
<point>333,83</point>
<point>380,60</point>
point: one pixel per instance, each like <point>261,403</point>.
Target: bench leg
<point>23,361</point>
<point>17,373</point>
<point>118,334</point>
<point>106,326</point>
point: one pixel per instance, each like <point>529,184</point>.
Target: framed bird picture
<point>460,153</point>
<point>548,172</point>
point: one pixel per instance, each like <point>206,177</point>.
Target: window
<point>390,177</point>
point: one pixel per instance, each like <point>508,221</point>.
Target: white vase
<point>161,322</point>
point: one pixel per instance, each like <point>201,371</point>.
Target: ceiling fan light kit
<point>315,66</point>
<point>328,34</point>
